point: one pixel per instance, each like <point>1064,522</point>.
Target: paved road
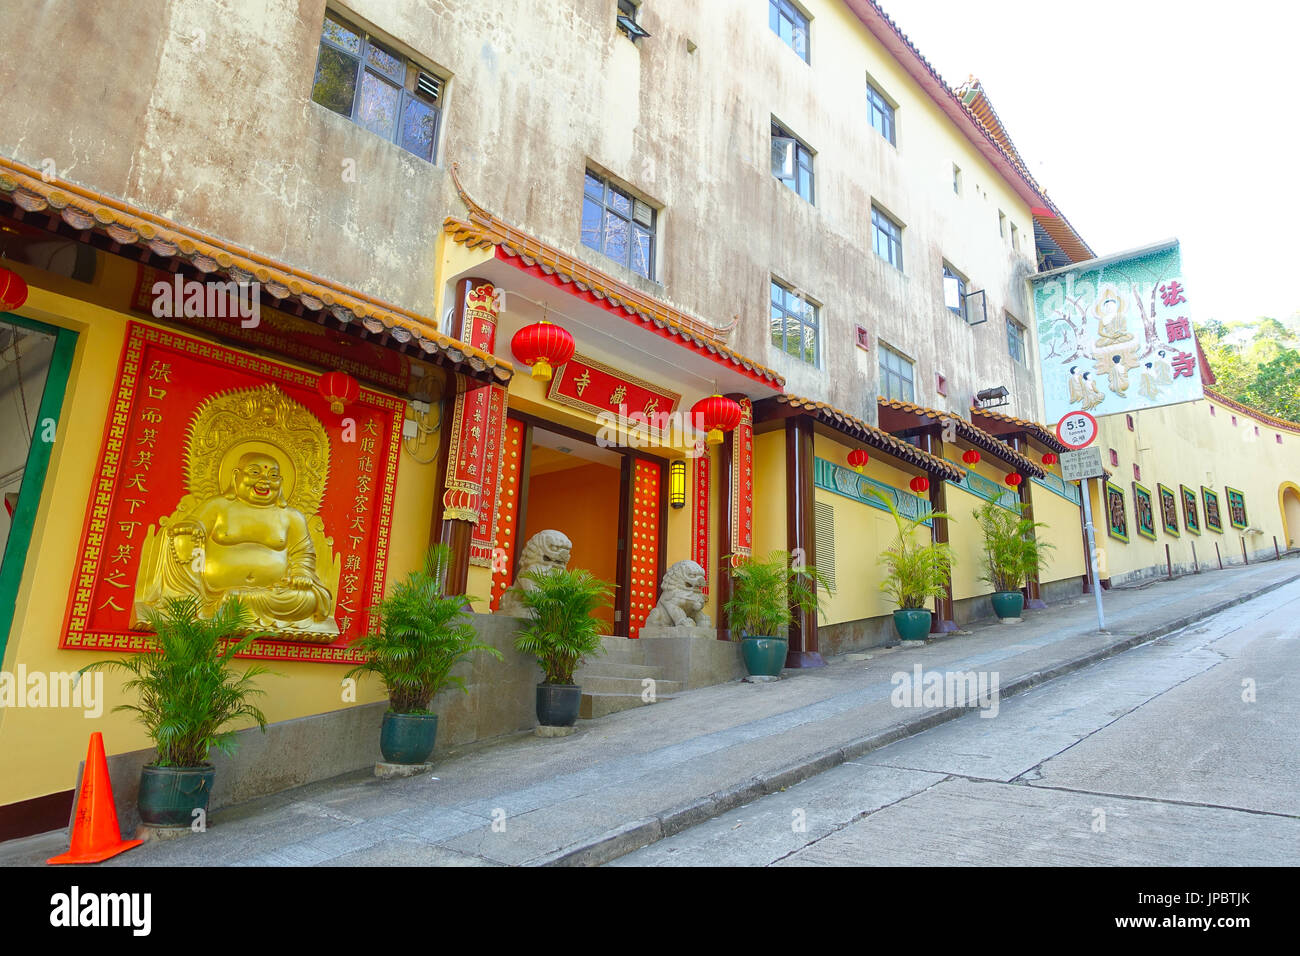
<point>1181,752</point>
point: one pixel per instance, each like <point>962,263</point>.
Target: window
<point>1279,438</point>
<point>792,162</point>
<point>895,376</point>
<point>864,340</point>
<point>954,290</point>
<point>1015,237</point>
<point>618,225</point>
<point>1137,472</point>
<point>1128,420</point>
<point>626,20</point>
<point>1016,340</point>
<point>887,238</point>
<point>824,536</point>
<point>360,78</point>
<point>794,324</point>
<point>941,385</point>
<point>881,115</point>
<point>1002,224</point>
<point>1114,458</point>
<point>956,179</point>
<point>790,25</point>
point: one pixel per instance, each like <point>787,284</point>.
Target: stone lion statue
<point>547,550</point>
<point>681,598</point>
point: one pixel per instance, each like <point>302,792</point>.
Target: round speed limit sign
<point>1077,429</point>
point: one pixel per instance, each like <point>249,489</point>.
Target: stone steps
<point>601,705</point>
<point>632,686</point>
<point>604,668</point>
<point>613,681</point>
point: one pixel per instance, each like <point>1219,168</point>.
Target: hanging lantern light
<point>971,457</point>
<point>541,346</point>
<point>1050,458</point>
<point>857,459</point>
<point>13,290</point>
<point>920,484</point>
<point>1013,479</point>
<point>677,483</point>
<point>716,415</point>
<point>339,389</point>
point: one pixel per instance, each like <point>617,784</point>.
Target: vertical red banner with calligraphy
<point>742,482</point>
<point>512,457</point>
<point>645,543</point>
<point>225,475</point>
<point>700,513</point>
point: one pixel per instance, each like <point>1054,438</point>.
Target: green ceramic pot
<point>912,623</point>
<point>764,656</point>
<point>1008,604</point>
<point>408,738</point>
<point>558,704</point>
<point>170,795</point>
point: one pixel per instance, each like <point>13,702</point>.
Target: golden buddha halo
<point>256,464</point>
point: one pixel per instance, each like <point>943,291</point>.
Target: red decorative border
<point>742,482</point>
<point>512,478</point>
<point>74,635</point>
<point>645,543</point>
<point>700,514</point>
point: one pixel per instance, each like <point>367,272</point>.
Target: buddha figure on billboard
<point>256,463</point>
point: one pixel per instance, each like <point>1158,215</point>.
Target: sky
<point>1146,120</point>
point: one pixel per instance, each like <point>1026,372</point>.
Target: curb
<point>640,833</point>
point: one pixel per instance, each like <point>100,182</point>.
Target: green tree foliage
<point>1263,371</point>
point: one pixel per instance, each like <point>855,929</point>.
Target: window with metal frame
<point>824,536</point>
<point>378,88</point>
<point>617,224</point>
<point>880,112</point>
<point>897,376</point>
<point>792,162</point>
<point>887,238</point>
<point>1016,340</point>
<point>795,324</point>
<point>789,23</point>
<point>954,290</point>
<point>626,20</point>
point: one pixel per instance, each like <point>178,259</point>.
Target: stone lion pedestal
<point>692,655</point>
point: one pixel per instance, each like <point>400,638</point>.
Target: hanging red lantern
<point>716,415</point>
<point>971,457</point>
<point>13,290</point>
<point>541,346</point>
<point>339,389</point>
<point>1013,479</point>
<point>857,458</point>
<point>1050,458</point>
<point>920,484</point>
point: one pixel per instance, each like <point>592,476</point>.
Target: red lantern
<point>1050,458</point>
<point>541,346</point>
<point>339,389</point>
<point>970,457</point>
<point>716,415</point>
<point>13,290</point>
<point>857,458</point>
<point>1013,479</point>
<point>920,484</point>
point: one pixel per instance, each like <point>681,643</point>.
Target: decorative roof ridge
<point>714,334</point>
<point>972,433</point>
<point>86,210</point>
<point>897,446</point>
<point>1263,417</point>
<point>1037,429</point>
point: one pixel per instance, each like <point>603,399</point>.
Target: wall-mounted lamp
<point>677,483</point>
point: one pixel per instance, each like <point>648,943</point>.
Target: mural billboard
<point>1115,334</point>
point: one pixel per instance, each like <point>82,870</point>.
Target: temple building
<point>288,288</point>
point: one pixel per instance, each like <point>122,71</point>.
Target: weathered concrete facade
<point>204,115</point>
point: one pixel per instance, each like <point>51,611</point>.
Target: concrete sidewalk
<point>635,777</point>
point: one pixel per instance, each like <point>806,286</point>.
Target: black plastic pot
<point>170,795</point>
<point>557,704</point>
<point>408,738</point>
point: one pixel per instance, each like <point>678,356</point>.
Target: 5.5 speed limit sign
<point>1077,429</point>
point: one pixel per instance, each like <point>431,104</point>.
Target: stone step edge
<point>641,833</point>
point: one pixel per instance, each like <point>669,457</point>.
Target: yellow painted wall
<point>1063,531</point>
<point>967,543</point>
<point>41,747</point>
<point>1190,445</point>
<point>769,493</point>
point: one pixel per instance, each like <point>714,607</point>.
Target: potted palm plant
<point>561,632</point>
<point>188,691</point>
<point>1012,552</point>
<point>420,634</point>
<point>762,595</point>
<point>915,571</point>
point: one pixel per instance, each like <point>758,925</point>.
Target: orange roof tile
<point>972,434</point>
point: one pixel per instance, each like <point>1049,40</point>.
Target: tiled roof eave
<point>127,226</point>
<point>1035,430</point>
<point>972,434</point>
<point>868,434</point>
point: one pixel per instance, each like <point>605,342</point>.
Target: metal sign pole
<point>1092,551</point>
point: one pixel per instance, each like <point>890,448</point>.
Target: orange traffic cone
<point>95,834</point>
